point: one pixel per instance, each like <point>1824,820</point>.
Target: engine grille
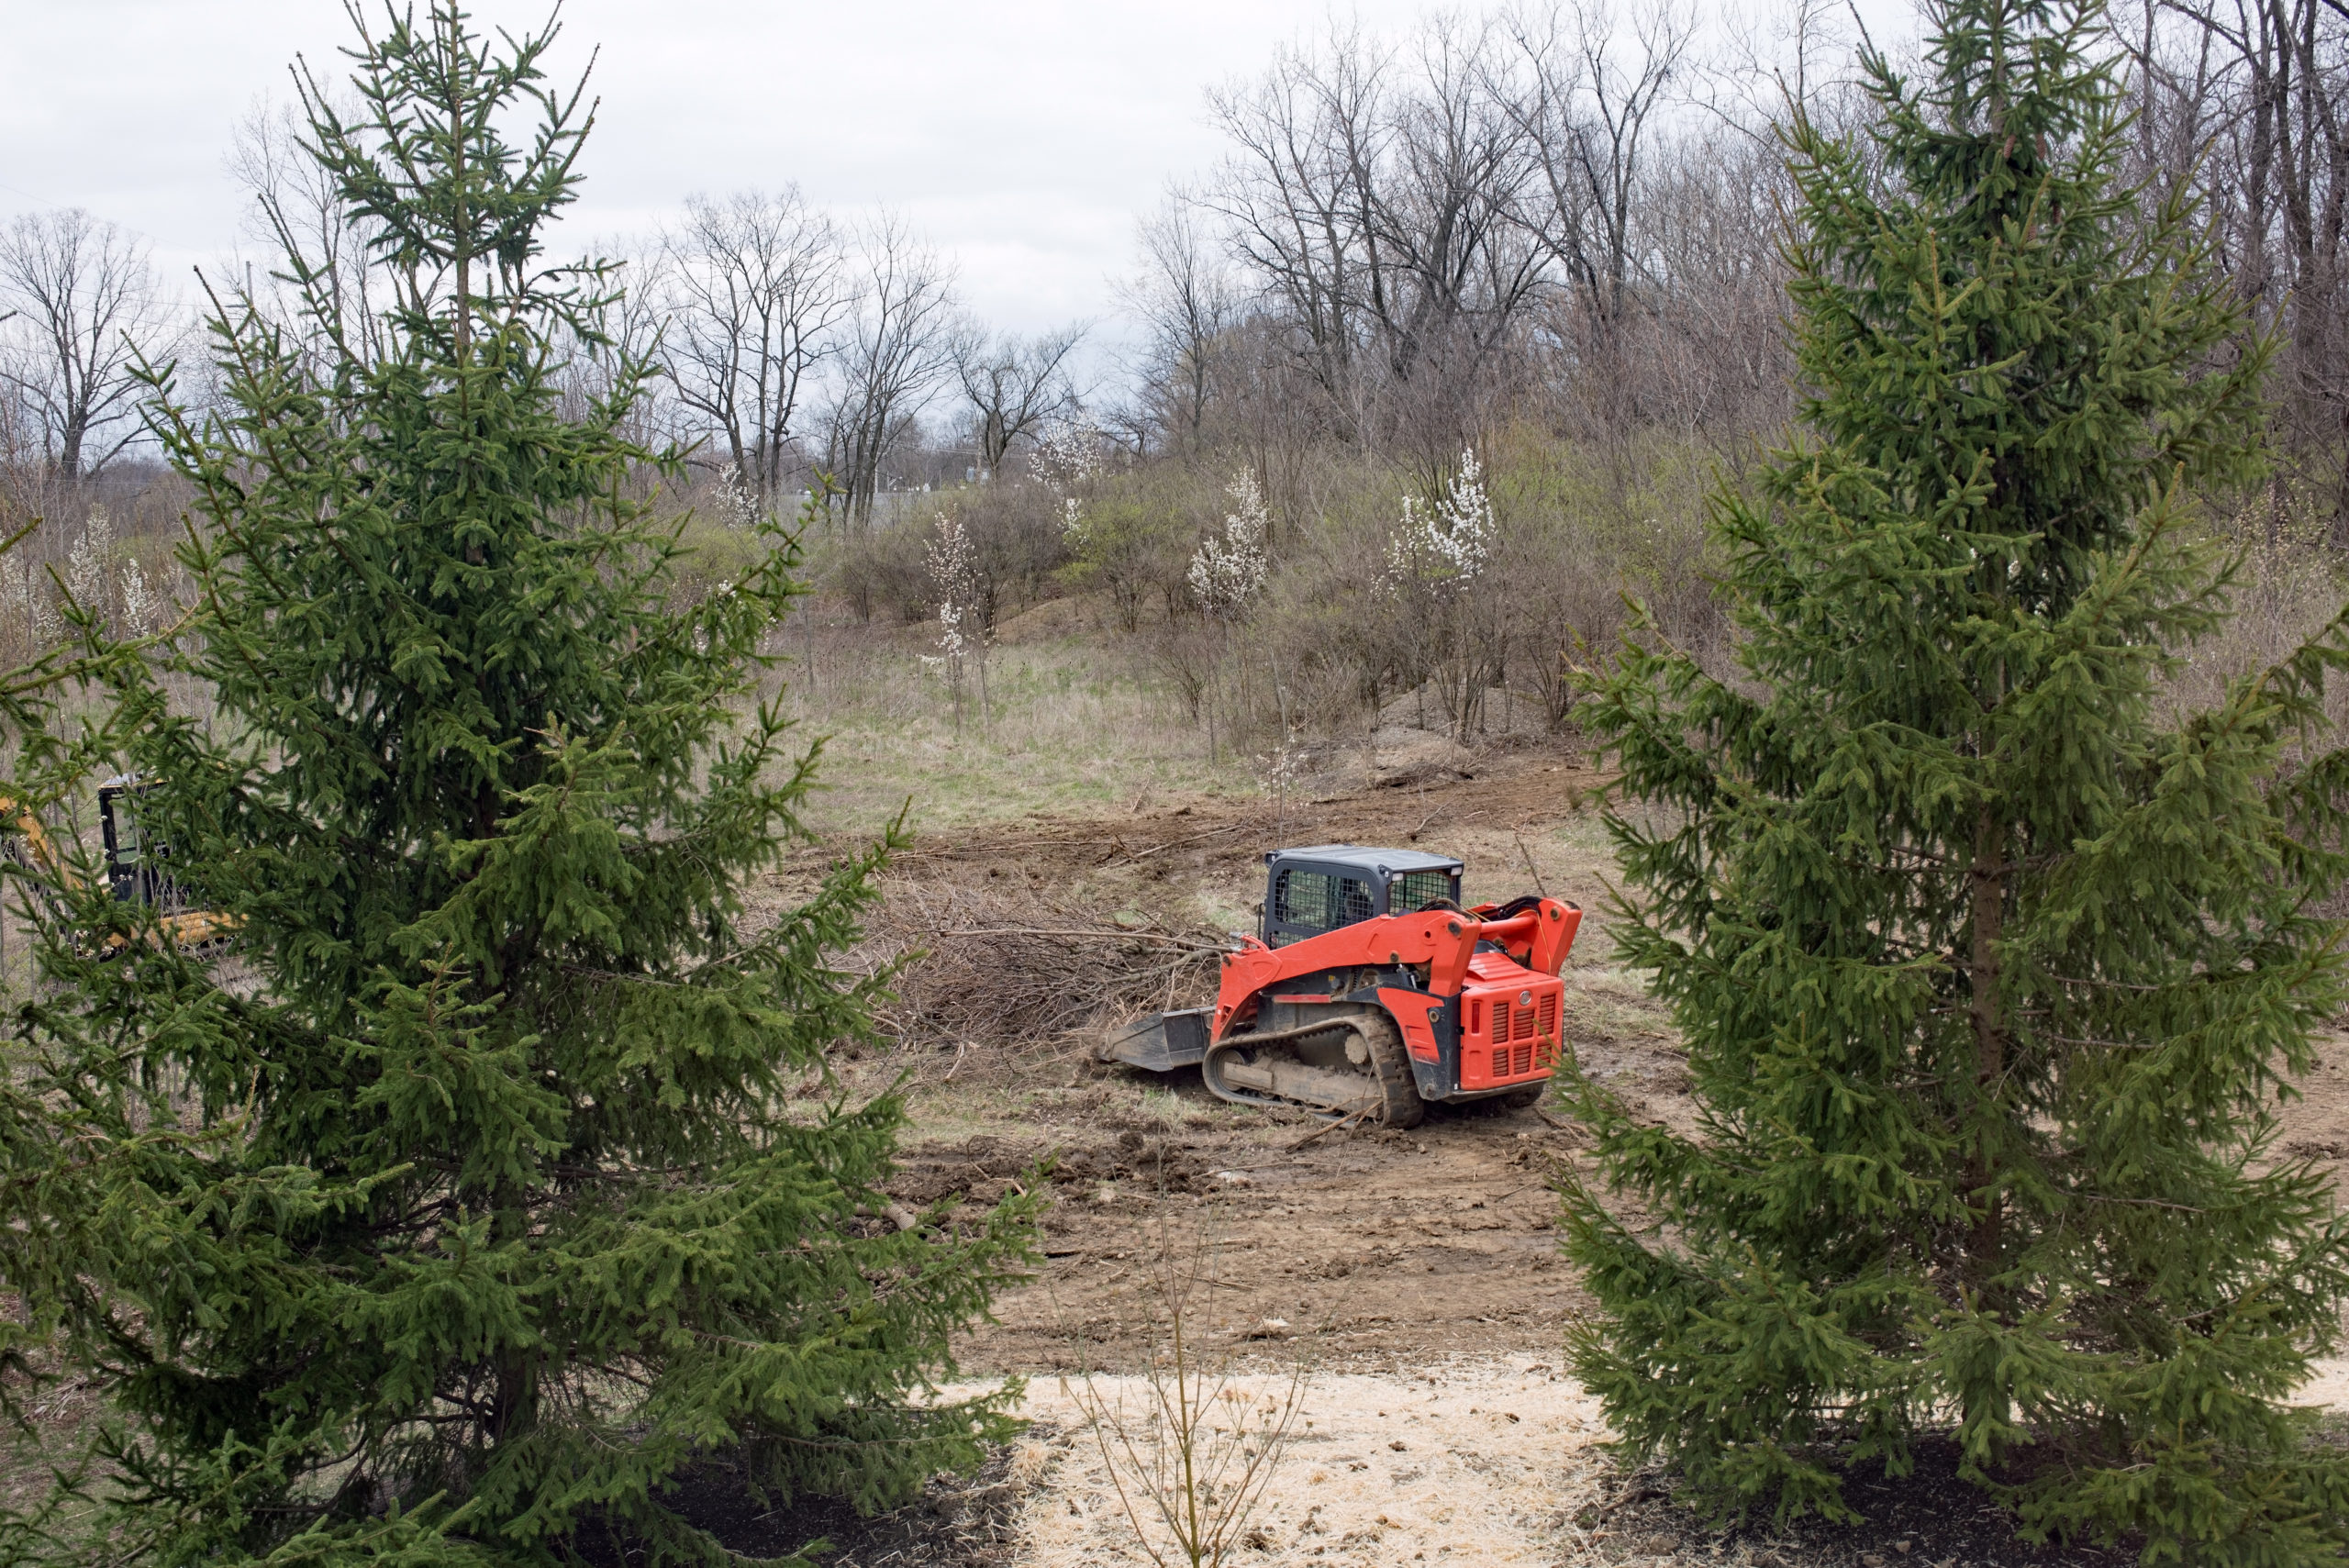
<point>1524,1037</point>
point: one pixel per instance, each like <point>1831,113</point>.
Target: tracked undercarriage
<point>1349,1062</point>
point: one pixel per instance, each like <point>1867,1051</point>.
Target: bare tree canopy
<point>897,351</point>
<point>1187,301</point>
<point>319,285</point>
<point>1587,107</point>
<point>1412,219</point>
<point>84,311</point>
<point>1012,384</point>
<point>2244,103</point>
<point>755,285</point>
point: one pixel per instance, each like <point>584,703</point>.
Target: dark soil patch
<point>1928,1518</point>
<point>1396,1247</point>
<point>981,1169</point>
<point>957,1522</point>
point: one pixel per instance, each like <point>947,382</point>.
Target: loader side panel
<point>1418,1016</point>
<point>1440,940</point>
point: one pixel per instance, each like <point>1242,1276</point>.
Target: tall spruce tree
<point>462,1208</point>
<point>1990,969</point>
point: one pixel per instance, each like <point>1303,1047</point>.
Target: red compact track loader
<point>1369,992</point>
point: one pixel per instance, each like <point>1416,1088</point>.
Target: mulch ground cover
<point>959,1521</point>
<point>1928,1518</point>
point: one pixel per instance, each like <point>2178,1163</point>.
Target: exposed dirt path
<point>1484,1460</point>
<point>1387,1248</point>
<point>1390,1247</point>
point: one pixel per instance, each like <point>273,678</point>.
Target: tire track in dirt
<point>1383,1247</point>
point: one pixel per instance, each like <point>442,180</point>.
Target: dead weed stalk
<point>1190,1449</point>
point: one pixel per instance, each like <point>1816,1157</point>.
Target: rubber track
<point>1393,1065</point>
<point>1390,1068</point>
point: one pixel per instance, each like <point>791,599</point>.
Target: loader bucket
<point>1161,1043</point>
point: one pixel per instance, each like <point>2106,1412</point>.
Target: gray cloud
<point>1023,138</point>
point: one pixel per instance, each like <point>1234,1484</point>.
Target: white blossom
<point>1449,546</point>
<point>1228,568</point>
<point>1067,453</point>
<point>100,577</point>
<point>736,502</point>
<point>961,640</point>
<point>86,565</point>
<point>138,603</point>
<point>953,564</point>
<point>24,588</point>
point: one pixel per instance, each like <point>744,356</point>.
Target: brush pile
<point>1017,969</point>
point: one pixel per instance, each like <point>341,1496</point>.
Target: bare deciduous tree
<point>1542,210</point>
<point>85,310</point>
<point>2263,85</point>
<point>1588,116</point>
<point>1290,211</point>
<point>1187,304</point>
<point>898,346</point>
<point>2243,106</point>
<point>1013,384</point>
<point>325,294</point>
<point>1377,198</point>
<point>756,285</point>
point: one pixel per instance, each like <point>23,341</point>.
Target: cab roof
<point>1368,857</point>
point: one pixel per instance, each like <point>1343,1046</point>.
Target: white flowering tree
<point>1067,459</point>
<point>1067,455</point>
<point>1227,571</point>
<point>738,502</point>
<point>99,575</point>
<point>961,657</point>
<point>1228,568</point>
<point>1437,562</point>
<point>1447,546</point>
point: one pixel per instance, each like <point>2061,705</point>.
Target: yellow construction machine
<point>135,869</point>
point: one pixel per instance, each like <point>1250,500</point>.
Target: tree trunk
<point>1987,878</point>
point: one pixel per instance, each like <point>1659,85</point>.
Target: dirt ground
<point>1394,1248</point>
<point>1418,1272</point>
<point>1478,1461</point>
<point>1391,1248</point>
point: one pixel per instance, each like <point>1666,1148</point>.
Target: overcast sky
<point>1023,136</point>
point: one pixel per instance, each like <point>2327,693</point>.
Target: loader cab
<point>135,858</point>
<point>1323,886</point>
